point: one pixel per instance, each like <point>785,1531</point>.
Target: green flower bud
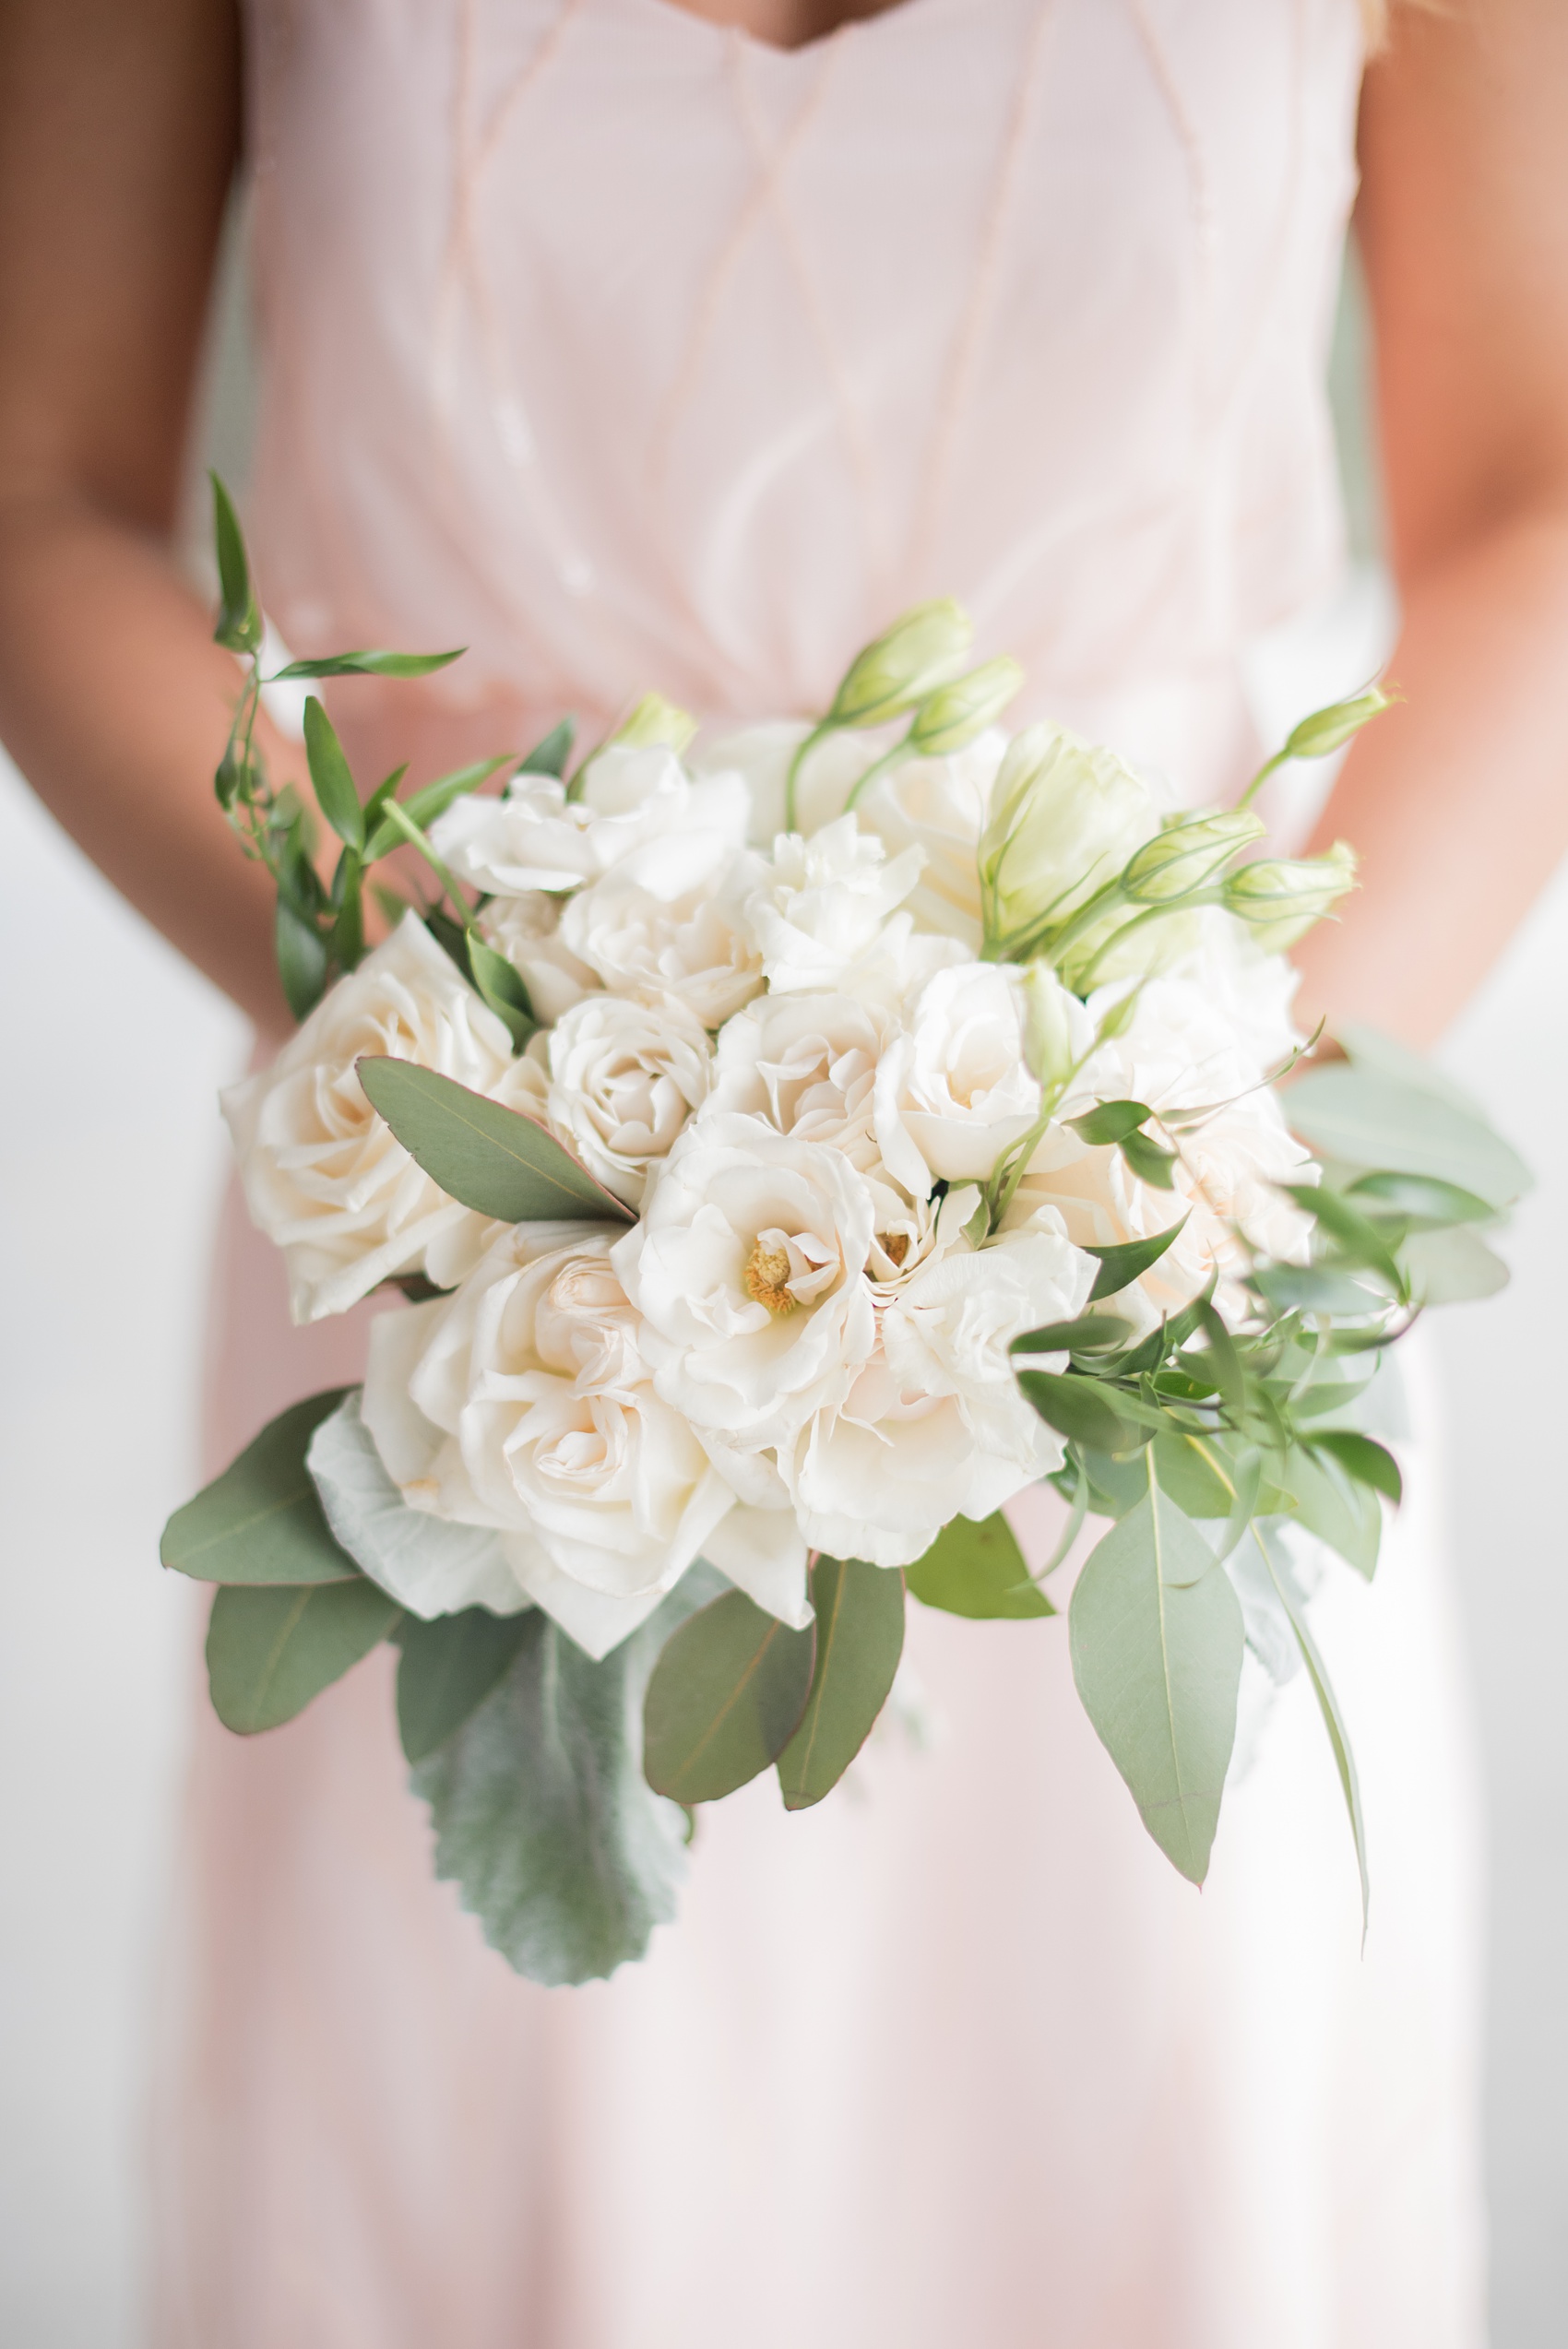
<point>1187,856</point>
<point>1064,818</point>
<point>917,653</point>
<point>1280,898</point>
<point>1329,730</point>
<point>954,714</point>
<point>1048,1027</point>
<point>655,720</point>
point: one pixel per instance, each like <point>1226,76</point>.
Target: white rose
<point>940,805</point>
<point>523,1404</point>
<point>820,904</point>
<point>526,930</point>
<point>936,1426</point>
<point>693,946</point>
<point>633,800</point>
<point>749,1270</point>
<point>955,1093</point>
<point>623,1078</point>
<point>323,1176</point>
<point>807,1064</point>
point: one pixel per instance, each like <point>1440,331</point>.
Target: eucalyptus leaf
<point>1361,1456</point>
<point>860,1637</point>
<point>482,1153</point>
<point>1421,1199</point>
<point>269,1652</point>
<point>1371,1120</point>
<point>1110,1121</point>
<point>331,776</point>
<point>1452,1268</point>
<point>1088,1332</point>
<point>503,989</point>
<point>1085,1410</point>
<point>1345,1514</point>
<point>1157,1635</point>
<point>1327,1705</point>
<point>261,1522</point>
<point>726,1697</point>
<point>1314,1288</point>
<point>448,1667</point>
<point>541,1813</point>
<point>368,664</point>
<point>1148,1161</point>
<point>978,1570</point>
<point>1128,1261</point>
<point>239,619</point>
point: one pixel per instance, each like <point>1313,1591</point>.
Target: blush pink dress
<point>627,352</point>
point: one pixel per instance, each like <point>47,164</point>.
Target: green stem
<point>802,750</point>
<point>1270,766</point>
<point>878,767</point>
<point>404,824</point>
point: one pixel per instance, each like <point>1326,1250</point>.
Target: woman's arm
<point>118,134</point>
<point>1458,801</point>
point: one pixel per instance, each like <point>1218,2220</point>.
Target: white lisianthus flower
<point>323,1176</point>
<point>693,944</point>
<point>1180,1051</point>
<point>1064,817</point>
<point>623,1078</point>
<point>940,805</point>
<point>748,1269</point>
<point>934,1425</point>
<point>526,930</point>
<point>633,798</point>
<point>955,1093</point>
<point>523,1404</point>
<point>819,904</point>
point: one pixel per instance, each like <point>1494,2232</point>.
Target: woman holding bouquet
<point>626,343</point>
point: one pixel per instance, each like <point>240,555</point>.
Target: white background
<point>110,1161</point>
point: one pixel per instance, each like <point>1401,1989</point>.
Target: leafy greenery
<point>448,1667</point>
<point>977,1569</point>
<point>492,1159</point>
<point>261,1521</point>
<point>860,1637</point>
<point>268,1651</point>
<point>727,1695</point>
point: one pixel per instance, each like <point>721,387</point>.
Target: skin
<point>118,142</point>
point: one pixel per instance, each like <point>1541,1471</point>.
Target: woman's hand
<point>1457,801</point>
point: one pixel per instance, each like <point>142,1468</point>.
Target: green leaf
<point>239,619</point>
<point>1148,1161</point>
<point>550,757</point>
<point>727,1695</point>
<point>348,930</point>
<point>1421,1199</point>
<point>1312,1288</point>
<point>1083,1410</point>
<point>268,1651</point>
<point>448,1667</point>
<point>1368,1119</point>
<point>1110,1121</point>
<point>978,1570</point>
<point>503,989</point>
<point>541,1814</point>
<point>1452,1268</point>
<point>260,1520</point>
<point>302,959</point>
<point>334,785</point>
<point>368,664</point>
<point>1126,1263</point>
<point>1358,1241</point>
<point>1223,1357</point>
<point>860,1637</point>
<point>1188,1477</point>
<point>1368,1462</point>
<point>422,807</point>
<point>1157,1636</point>
<point>1088,1334</point>
<point>427,1562</point>
<point>1344,1514</point>
<point>1328,1706</point>
<point>488,1157</point>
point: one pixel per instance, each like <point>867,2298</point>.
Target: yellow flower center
<point>896,1247</point>
<point>766,1272</point>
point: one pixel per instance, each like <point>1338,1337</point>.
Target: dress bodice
<point>628,350</point>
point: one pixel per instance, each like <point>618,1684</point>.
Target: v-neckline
<point>879,17</point>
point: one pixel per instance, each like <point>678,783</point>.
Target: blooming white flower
<point>633,798</point>
<point>748,1268</point>
<point>934,1425</point>
<point>693,944</point>
<point>940,805</point>
<point>819,904</point>
<point>526,930</point>
<point>955,1093</point>
<point>623,1079</point>
<point>807,1064</point>
<point>523,1404</point>
<point>1066,815</point>
<point>323,1176</point>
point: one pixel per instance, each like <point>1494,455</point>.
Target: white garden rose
<point>631,797</point>
<point>323,1176</point>
<point>693,946</point>
<point>934,1425</point>
<point>526,930</point>
<point>523,1404</point>
<point>940,806</point>
<point>748,1269</point>
<point>623,1078</point>
<point>819,904</point>
<point>807,1064</point>
<point>955,1093</point>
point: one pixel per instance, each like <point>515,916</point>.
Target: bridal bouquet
<point>787,1151</point>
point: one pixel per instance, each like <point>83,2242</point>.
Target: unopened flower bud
<point>1065,817</point>
<point>954,714</point>
<point>1188,856</point>
<point>1280,898</point>
<point>917,654</point>
<point>1048,1023</point>
<point>1329,730</point>
<point>655,720</point>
